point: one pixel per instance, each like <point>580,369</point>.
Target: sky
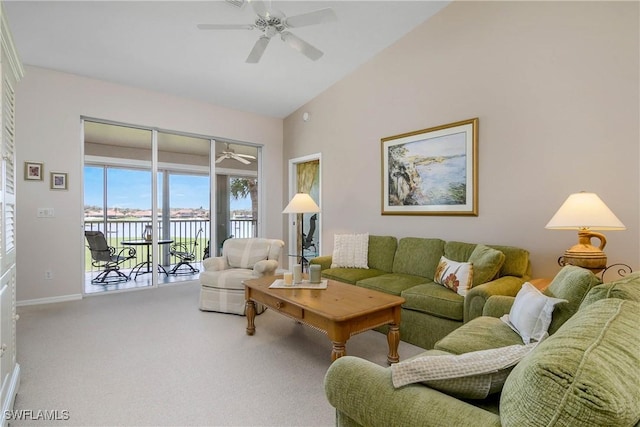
<point>130,189</point>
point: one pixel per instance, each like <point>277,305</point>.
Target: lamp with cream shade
<point>585,212</point>
<point>301,203</point>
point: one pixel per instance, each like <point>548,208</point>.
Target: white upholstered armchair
<point>221,287</point>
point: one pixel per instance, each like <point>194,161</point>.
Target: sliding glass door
<point>149,193</point>
<point>184,186</point>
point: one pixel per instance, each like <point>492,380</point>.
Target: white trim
<point>49,300</point>
<point>237,172</point>
<point>261,195</point>
<point>292,191</point>
<point>12,391</point>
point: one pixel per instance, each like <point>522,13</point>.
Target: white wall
<point>48,110</point>
<point>555,86</point>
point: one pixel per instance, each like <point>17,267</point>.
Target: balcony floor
<point>142,281</point>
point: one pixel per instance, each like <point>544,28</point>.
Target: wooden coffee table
<point>340,311</point>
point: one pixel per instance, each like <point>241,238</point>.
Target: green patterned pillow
<point>486,263</point>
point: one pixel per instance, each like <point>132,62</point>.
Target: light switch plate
<point>46,213</point>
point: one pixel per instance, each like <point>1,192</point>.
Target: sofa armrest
<point>477,296</point>
<point>214,263</point>
<point>363,392</point>
<point>266,267</point>
<point>498,306</point>
<point>323,261</point>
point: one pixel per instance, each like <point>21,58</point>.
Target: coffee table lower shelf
<point>340,311</point>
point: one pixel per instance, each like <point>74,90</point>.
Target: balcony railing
<point>180,231</point>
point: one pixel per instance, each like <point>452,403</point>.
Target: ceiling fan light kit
<point>272,22</point>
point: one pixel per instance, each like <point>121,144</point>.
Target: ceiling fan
<point>228,153</point>
<point>272,22</point>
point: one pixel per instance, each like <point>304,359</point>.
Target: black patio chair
<point>186,254</point>
<point>105,257</point>
<point>307,239</point>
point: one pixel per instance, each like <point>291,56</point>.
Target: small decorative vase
<point>314,274</point>
<point>297,273</point>
<point>147,234</point>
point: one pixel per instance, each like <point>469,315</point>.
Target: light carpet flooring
<point>151,358</point>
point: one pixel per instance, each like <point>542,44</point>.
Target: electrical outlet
<point>48,274</point>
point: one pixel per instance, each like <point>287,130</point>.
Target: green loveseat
<point>406,267</point>
<point>585,374</point>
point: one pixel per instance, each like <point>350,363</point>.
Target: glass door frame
<point>155,168</point>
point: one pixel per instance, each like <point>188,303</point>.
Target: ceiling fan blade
<point>221,158</point>
<point>311,18</point>
<point>301,46</point>
<point>258,50</point>
<point>259,7</point>
<point>246,156</point>
<point>226,26</point>
<point>240,159</point>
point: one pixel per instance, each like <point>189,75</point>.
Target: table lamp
<point>301,203</point>
<point>585,212</point>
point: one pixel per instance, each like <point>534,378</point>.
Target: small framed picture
<point>33,171</point>
<point>59,181</point>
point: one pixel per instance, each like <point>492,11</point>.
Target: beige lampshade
<point>301,203</point>
<point>584,211</point>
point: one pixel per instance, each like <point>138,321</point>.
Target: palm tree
<point>243,187</point>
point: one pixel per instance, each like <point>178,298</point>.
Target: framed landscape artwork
<point>33,171</point>
<point>431,171</point>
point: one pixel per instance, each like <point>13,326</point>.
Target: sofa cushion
<point>418,256</point>
<point>350,250</point>
<point>473,375</point>
<point>457,276</point>
<point>516,261</point>
<point>434,299</point>
<point>458,251</point>
<point>481,333</point>
<point>486,263</point>
<point>392,283</point>
<point>351,275</point>
<point>382,250</point>
<point>227,279</point>
<point>571,283</point>
<point>626,288</point>
<point>531,313</point>
<point>244,253</point>
<point>585,374</point>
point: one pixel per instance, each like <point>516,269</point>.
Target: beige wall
<point>555,86</point>
<point>49,107</point>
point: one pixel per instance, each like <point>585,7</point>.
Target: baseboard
<point>12,391</point>
<point>49,300</point>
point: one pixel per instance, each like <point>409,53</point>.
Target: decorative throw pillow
<point>486,263</point>
<point>350,250</point>
<point>473,375</point>
<point>531,313</point>
<point>457,276</point>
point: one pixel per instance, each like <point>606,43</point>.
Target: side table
<point>540,284</point>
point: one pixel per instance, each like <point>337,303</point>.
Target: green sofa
<point>407,266</point>
<point>585,374</point>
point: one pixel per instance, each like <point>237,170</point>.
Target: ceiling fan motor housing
<point>271,22</point>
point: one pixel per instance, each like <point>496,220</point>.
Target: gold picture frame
<point>33,171</point>
<point>431,171</point>
<point>59,181</point>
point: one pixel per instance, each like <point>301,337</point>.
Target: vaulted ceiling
<point>156,45</point>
